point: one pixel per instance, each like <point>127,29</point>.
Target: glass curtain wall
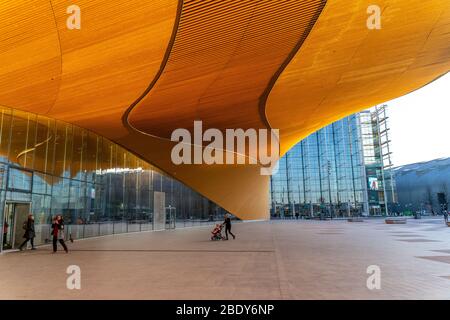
<point>97,186</point>
<point>341,170</point>
<point>382,196</point>
<point>322,176</point>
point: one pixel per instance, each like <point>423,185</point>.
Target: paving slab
<point>268,260</point>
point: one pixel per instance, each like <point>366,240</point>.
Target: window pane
<point>19,180</point>
<point>63,149</point>
<point>43,154</point>
<point>5,130</point>
<point>21,150</point>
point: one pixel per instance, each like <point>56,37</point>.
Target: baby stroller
<point>217,233</point>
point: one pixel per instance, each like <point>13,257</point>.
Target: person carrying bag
<point>58,234</point>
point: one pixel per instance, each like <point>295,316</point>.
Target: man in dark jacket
<point>29,234</point>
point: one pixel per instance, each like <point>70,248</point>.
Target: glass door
<point>170,217</point>
<point>16,213</point>
<point>8,227</point>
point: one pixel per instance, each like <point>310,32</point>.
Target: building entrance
<point>171,213</point>
<point>16,213</point>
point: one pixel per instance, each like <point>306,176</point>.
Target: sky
<point>420,124</point>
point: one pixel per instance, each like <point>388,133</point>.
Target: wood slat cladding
<point>226,55</point>
<point>110,61</point>
<point>343,67</point>
<point>30,63</point>
<point>102,68</point>
<point>223,59</point>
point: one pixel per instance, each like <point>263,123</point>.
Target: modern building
<point>340,170</point>
<point>424,186</point>
<point>48,167</point>
<point>134,72</point>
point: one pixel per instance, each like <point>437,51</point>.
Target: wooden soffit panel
<point>138,69</point>
<point>30,60</point>
<point>224,60</point>
<point>343,67</point>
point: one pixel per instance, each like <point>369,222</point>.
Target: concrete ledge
<point>357,219</point>
<point>395,221</point>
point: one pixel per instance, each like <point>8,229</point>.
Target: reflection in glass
<point>19,180</point>
<point>97,186</point>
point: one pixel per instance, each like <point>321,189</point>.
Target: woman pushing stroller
<point>217,232</point>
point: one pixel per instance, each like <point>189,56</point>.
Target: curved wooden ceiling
<point>161,64</point>
<point>28,82</point>
<point>225,57</point>
<point>343,67</point>
<point>111,60</point>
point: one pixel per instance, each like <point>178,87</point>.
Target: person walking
<point>227,224</point>
<point>29,234</point>
<point>58,233</point>
<point>446,216</point>
<point>5,232</point>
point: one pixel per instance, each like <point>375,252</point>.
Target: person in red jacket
<point>58,233</point>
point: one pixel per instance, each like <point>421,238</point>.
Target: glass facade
<point>381,194</point>
<point>50,167</point>
<point>326,174</point>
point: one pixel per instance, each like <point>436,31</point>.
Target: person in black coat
<point>29,234</point>
<point>5,232</point>
<point>227,224</point>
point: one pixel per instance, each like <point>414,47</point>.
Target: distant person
<point>5,232</point>
<point>227,223</point>
<point>29,234</point>
<point>58,233</point>
<point>297,214</point>
<point>446,216</point>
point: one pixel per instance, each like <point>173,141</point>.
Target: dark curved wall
<point>419,183</point>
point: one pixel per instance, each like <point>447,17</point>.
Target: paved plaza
<point>268,260</point>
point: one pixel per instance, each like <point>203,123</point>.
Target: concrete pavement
<point>268,260</point>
